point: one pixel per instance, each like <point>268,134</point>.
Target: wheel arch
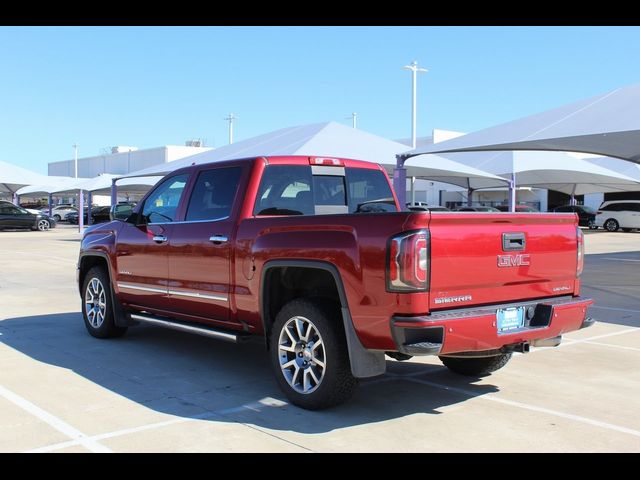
<point>364,363</point>
<point>86,262</point>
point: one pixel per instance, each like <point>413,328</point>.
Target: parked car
<point>30,210</point>
<point>586,215</point>
<point>98,215</point>
<point>287,248</point>
<point>476,209</point>
<point>122,210</point>
<point>14,217</point>
<point>59,212</point>
<point>619,214</point>
<point>425,207</point>
<point>519,208</point>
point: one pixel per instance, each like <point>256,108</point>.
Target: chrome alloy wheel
<point>43,225</point>
<point>301,354</point>
<point>95,302</point>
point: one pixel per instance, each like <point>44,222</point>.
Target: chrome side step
<point>228,336</point>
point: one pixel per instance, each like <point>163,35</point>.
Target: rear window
<point>294,190</point>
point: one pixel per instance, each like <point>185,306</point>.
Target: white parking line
<point>525,406</point>
<point>615,309</point>
<point>621,347</point>
<point>78,437</point>
<point>265,402</point>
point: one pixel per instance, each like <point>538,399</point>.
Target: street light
<point>75,159</point>
<point>230,119</point>
<point>400,173</point>
<point>414,70</point>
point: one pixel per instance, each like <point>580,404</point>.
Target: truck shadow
<point>195,377</point>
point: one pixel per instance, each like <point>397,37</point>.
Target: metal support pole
<point>15,199</point>
<point>413,190</point>
<point>469,197</point>
<point>80,211</point>
<point>354,118</point>
<point>414,98</point>
<point>573,195</point>
<point>230,119</point>
<point>114,192</point>
<point>50,204</point>
<point>75,159</point>
<point>512,192</point>
<point>400,182</point>
<point>89,199</point>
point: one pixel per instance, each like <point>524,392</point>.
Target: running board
<point>228,336</point>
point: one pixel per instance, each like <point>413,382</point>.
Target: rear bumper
<point>474,329</point>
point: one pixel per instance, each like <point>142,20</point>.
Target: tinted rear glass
<point>293,190</point>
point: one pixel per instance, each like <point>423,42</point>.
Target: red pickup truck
<point>315,255</point>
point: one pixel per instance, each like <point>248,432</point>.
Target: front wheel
<point>476,367</point>
<point>309,355</point>
<point>611,225</point>
<point>97,307</point>
<point>592,225</point>
<point>43,225</point>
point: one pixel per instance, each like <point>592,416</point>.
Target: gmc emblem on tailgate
<point>521,260</point>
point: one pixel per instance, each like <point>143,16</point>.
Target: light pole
<point>414,97</point>
<point>354,118</point>
<point>400,173</point>
<point>75,159</point>
<point>230,119</point>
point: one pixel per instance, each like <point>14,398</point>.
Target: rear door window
<point>213,194</point>
<point>369,191</point>
<point>285,190</point>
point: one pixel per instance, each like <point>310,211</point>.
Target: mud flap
<point>364,363</point>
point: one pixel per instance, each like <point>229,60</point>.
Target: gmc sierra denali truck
<point>315,255</point>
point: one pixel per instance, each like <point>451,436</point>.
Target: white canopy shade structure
<point>101,185</point>
<point>607,124</point>
<point>333,140</point>
<point>551,170</point>
<point>53,184</point>
<point>12,178</point>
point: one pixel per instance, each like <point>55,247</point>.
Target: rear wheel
<point>592,225</point>
<point>476,367</point>
<point>309,355</point>
<point>56,217</point>
<point>611,225</point>
<point>97,307</point>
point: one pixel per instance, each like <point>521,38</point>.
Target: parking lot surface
<point>160,390</point>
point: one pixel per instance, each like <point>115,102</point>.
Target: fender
<point>121,317</point>
<point>364,363</point>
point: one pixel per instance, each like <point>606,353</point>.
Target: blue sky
<point>150,86</point>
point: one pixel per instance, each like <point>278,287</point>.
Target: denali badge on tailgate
<point>521,260</point>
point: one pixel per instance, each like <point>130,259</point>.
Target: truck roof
<point>291,160</point>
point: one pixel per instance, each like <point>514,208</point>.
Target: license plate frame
<point>509,319</point>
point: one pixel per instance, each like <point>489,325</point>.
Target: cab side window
<point>213,194</point>
<point>161,206</point>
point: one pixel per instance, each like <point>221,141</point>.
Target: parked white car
<point>616,214</point>
<point>59,212</point>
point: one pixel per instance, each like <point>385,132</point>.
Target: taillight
<point>580,263</point>
<point>408,262</point>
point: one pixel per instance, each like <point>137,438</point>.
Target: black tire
<point>107,328</point>
<point>611,225</point>
<point>476,367</point>
<point>627,229</point>
<point>57,218</point>
<point>42,225</point>
<point>336,384</point>
<point>592,225</point>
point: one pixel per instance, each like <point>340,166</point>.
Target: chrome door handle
<point>218,239</point>
<point>159,238</point>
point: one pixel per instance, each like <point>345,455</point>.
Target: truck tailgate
<point>479,258</point>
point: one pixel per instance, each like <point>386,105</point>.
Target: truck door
<point>200,248</point>
<point>142,249</point>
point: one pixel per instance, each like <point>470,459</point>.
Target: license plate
<point>509,319</point>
